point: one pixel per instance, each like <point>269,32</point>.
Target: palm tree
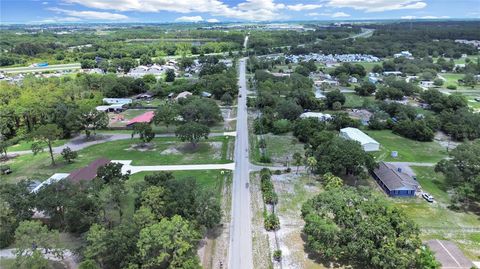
<point>297,160</point>
<point>311,163</point>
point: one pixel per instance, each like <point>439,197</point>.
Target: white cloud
<point>212,20</point>
<point>90,15</point>
<point>340,15</point>
<point>189,19</point>
<point>407,17</point>
<point>255,10</point>
<point>44,3</point>
<point>301,7</point>
<point>59,19</point>
<point>313,14</point>
<point>378,5</point>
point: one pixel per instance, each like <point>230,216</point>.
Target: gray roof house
<point>393,181</point>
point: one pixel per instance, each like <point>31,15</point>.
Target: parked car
<point>427,197</point>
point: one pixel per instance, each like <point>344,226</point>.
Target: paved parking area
<point>449,255</point>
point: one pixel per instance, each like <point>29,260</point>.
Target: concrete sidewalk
<point>127,166</point>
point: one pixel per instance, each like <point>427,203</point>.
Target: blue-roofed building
<point>394,182</point>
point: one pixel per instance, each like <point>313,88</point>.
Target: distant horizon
<point>242,22</point>
<point>214,11</point>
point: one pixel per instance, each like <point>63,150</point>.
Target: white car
<point>427,197</point>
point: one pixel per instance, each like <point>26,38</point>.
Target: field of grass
<point>436,220</point>
<point>27,145</point>
<point>165,151</point>
<point>369,66</point>
<point>408,150</point>
<point>279,148</point>
<point>356,101</point>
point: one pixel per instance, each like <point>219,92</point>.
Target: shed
<point>320,116</point>
<point>183,95</point>
<point>146,117</point>
<point>368,143</point>
<point>393,181</point>
<point>89,172</point>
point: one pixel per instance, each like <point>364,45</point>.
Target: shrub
<point>281,126</point>
<point>69,155</point>
<point>272,223</point>
<point>452,87</point>
<point>277,255</point>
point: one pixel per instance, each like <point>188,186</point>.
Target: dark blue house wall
<point>394,193</point>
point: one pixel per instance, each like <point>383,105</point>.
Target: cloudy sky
<point>51,11</point>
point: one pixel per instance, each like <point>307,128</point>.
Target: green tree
<point>31,239</point>
<point>166,113</point>
<point>462,172</point>
<point>8,224</point>
<point>88,264</point>
<point>153,198</point>
<point>91,120</point>
<point>48,134</point>
<point>69,155</point>
<point>384,236</point>
<point>334,96</point>
<point>227,99</point>
<point>331,182</point>
<point>145,132</point>
<point>297,160</point>
<point>192,132</point>
<point>170,75</point>
<point>171,243</point>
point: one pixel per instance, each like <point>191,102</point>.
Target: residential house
<point>394,182</point>
<point>89,172</point>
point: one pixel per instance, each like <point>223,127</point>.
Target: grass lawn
<point>10,264</point>
<point>408,150</point>
<point>27,145</point>
<point>436,220</point>
<point>369,65</point>
<point>165,151</point>
<point>452,79</point>
<point>279,148</point>
<point>356,101</point>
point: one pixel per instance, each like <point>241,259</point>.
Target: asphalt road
<point>240,251</point>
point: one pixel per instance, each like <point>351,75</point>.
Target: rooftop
<point>146,117</point>
<point>357,135</point>
<point>393,178</point>
<point>89,172</point>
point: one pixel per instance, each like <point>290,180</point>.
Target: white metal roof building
<point>320,116</point>
<point>368,143</point>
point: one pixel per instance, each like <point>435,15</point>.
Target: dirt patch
<point>260,237</point>
<point>142,147</point>
<point>213,249</point>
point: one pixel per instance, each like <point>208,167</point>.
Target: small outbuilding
<point>114,101</point>
<point>184,94</point>
<point>368,143</point>
<point>394,182</point>
<point>318,115</point>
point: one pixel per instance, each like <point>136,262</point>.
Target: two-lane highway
<point>240,252</point>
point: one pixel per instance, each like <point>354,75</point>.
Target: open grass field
<point>280,148</point>
<point>436,220</point>
<point>354,100</point>
<point>27,145</point>
<point>452,79</point>
<point>163,151</point>
<point>408,150</point>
